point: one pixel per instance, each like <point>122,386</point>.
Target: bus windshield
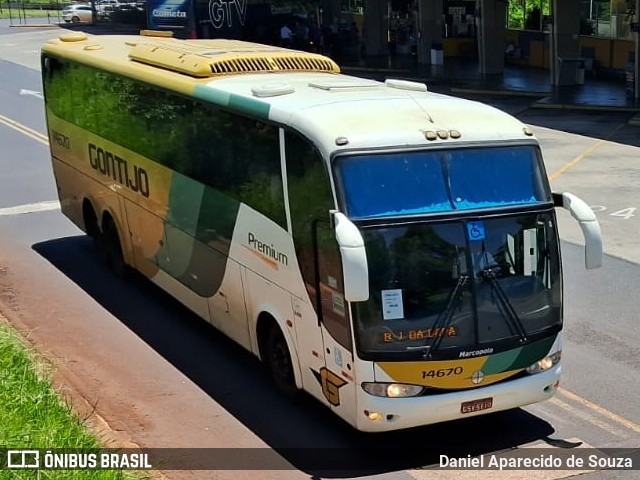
<point>459,285</point>
<point>437,181</point>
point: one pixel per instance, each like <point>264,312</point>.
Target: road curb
<point>510,93</point>
<point>635,121</point>
<point>374,70</point>
<point>599,108</point>
<point>37,25</point>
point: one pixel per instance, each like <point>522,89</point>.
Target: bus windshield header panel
<point>439,181</point>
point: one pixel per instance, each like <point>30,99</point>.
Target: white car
<point>77,13</point>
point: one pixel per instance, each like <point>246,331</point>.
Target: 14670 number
<point>442,372</point>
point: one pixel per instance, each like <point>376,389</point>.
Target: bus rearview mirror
<point>354,258</point>
<point>589,225</point>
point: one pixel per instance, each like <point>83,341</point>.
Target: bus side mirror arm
<point>354,258</point>
<point>589,225</point>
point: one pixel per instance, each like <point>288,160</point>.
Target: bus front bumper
<point>379,414</point>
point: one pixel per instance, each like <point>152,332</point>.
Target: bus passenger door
<point>322,319</point>
<point>337,377</point>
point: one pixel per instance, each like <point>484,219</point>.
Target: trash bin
<point>437,54</point>
<point>567,71</point>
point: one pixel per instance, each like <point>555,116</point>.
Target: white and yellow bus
<point>391,251</point>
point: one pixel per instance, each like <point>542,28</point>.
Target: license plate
<point>476,405</point>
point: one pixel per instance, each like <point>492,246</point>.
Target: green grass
<point>33,3</point>
<point>33,9</point>
<point>32,414</point>
<point>16,15</point>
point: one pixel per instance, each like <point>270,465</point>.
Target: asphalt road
<point>153,375</point>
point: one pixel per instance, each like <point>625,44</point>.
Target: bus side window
<point>51,67</point>
<point>310,200</point>
<point>64,90</point>
<point>220,156</point>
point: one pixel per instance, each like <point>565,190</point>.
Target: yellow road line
<point>576,160</point>
<point>29,132</point>
<point>584,154</point>
<point>601,410</point>
<point>585,415</point>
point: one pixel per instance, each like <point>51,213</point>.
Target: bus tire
<point>93,231</point>
<point>112,250</point>
<point>279,364</point>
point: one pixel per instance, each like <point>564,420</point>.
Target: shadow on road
<point>305,433</point>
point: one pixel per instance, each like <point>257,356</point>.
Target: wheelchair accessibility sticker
<point>475,231</point>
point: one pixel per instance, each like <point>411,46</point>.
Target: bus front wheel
<point>278,360</point>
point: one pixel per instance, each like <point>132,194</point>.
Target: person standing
<point>285,36</point>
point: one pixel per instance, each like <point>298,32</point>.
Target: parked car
<point>105,8</point>
<point>107,5</point>
<point>77,13</point>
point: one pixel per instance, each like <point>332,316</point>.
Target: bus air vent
<point>209,61</point>
<point>249,63</point>
<point>73,37</point>
<point>272,90</point>
<point>405,85</point>
<point>338,85</point>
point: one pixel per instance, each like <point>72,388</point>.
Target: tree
<point>527,14</point>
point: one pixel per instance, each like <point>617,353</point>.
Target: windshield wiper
<point>509,312</point>
<point>445,317</point>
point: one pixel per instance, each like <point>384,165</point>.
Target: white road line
<point>30,208</point>
<point>24,91</point>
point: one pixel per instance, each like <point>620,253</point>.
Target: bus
<point>391,251</point>
<point>220,19</point>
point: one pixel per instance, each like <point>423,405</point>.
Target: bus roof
<point>299,89</point>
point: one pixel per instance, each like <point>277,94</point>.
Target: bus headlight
<point>394,390</point>
<point>545,364</point>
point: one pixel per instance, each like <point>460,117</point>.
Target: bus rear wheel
<point>111,250</point>
<point>278,361</point>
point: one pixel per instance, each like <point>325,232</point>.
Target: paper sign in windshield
<point>392,308</point>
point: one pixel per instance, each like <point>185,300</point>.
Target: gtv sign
<point>220,11</point>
